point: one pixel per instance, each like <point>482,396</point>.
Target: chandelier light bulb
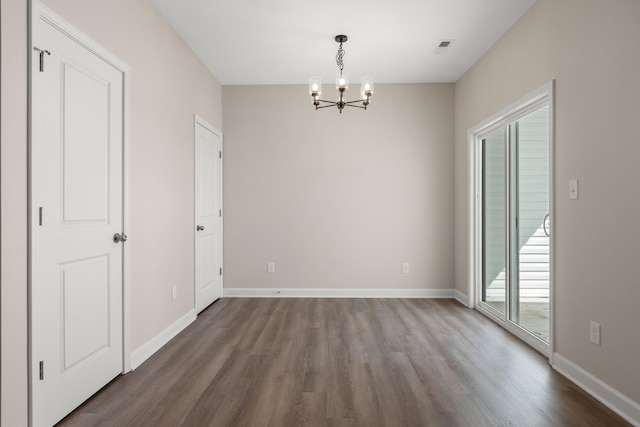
<point>315,86</point>
<point>367,85</point>
<point>342,80</point>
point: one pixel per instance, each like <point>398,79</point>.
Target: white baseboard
<point>335,293</point>
<point>461,298</point>
<point>150,347</point>
<point>610,397</point>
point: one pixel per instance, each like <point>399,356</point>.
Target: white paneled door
<point>77,224</point>
<point>208,214</point>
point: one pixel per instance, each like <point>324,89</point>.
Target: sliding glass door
<point>515,206</point>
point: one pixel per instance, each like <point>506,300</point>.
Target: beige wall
<point>13,213</point>
<point>590,48</point>
<point>168,85</point>
<point>338,200</point>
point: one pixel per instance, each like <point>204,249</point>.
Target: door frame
<point>39,12</point>
<point>518,109</point>
<point>199,121</point>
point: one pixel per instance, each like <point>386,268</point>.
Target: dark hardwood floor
<point>343,362</point>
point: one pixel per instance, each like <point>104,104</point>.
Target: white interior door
<point>208,214</point>
<point>77,207</point>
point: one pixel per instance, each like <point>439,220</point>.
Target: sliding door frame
<point>535,100</point>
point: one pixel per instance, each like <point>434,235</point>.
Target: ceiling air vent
<point>443,47</point>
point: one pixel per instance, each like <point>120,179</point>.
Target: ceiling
<point>245,42</point>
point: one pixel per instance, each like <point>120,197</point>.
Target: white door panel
<point>208,215</point>
<point>77,185</point>
<point>85,145</point>
<point>84,309</point>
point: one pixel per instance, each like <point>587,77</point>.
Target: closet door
<point>77,234</point>
<point>208,214</point>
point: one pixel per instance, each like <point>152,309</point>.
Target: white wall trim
<point>335,293</point>
<point>147,349</point>
<point>461,298</point>
<point>607,395</point>
<point>70,30</point>
<point>126,223</point>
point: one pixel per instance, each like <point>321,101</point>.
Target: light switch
<point>271,267</point>
<point>573,189</point>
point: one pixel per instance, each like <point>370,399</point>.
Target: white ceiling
<point>287,41</point>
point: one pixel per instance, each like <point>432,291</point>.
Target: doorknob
<point>200,228</point>
<point>117,238</point>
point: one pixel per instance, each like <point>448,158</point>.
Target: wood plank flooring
<point>342,362</point>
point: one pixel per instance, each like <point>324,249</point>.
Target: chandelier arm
<point>355,106</point>
<point>326,106</point>
<point>328,102</point>
<point>353,102</point>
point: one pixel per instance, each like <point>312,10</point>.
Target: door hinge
<point>41,52</point>
<point>220,212</point>
<point>220,154</point>
<point>41,370</point>
<point>40,216</point>
<point>221,271</point>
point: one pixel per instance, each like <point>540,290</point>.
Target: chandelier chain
<point>339,57</point>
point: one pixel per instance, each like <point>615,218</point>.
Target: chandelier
<point>342,84</point>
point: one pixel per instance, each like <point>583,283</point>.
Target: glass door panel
<point>529,287</point>
<point>494,220</point>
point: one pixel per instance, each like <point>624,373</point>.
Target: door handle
<point>117,238</point>
<point>200,228</point>
<point>545,224</point>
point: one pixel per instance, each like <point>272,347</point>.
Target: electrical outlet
<point>405,268</point>
<point>174,292</point>
<point>271,267</point>
<point>594,333</point>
